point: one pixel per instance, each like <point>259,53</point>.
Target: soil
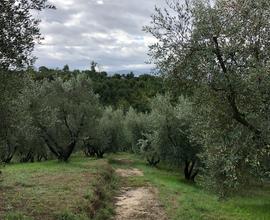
<point>139,203</point>
<point>129,172</point>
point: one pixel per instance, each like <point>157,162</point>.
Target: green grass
<point>72,191</point>
<point>48,190</point>
<point>184,201</point>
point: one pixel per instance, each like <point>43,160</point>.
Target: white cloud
<point>74,21</point>
<point>80,31</point>
<point>100,2</point>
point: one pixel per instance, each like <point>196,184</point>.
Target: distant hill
<point>135,72</point>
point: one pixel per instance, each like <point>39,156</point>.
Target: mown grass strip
<point>57,191</point>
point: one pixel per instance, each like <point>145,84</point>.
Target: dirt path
<point>138,203</point>
<point>129,172</point>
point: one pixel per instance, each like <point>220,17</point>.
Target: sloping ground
<point>47,191</point>
<point>185,201</point>
<point>129,172</point>
<point>137,203</point>
<point>60,191</point>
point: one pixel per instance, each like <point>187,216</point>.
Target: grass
<point>50,190</point>
<point>84,189</point>
<point>184,201</point>
<point>101,199</point>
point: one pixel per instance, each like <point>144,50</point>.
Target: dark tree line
<point>118,91</point>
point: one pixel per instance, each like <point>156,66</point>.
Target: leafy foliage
<point>221,50</point>
<point>19,31</point>
<point>108,135</point>
<point>61,111</point>
<point>9,115</point>
<point>136,125</point>
<point>169,138</point>
<point>215,59</point>
<point>118,91</point>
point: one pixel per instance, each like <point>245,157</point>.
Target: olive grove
<point>221,50</point>
<point>215,126</point>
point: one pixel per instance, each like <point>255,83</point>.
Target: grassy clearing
<point>55,191</point>
<point>84,189</point>
<point>184,201</point>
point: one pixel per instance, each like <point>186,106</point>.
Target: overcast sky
<point>107,31</point>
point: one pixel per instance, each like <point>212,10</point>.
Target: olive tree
<point>12,133</point>
<point>169,138</point>
<point>108,135</point>
<point>61,111</point>
<point>10,88</point>
<point>221,49</point>
<point>19,31</point>
<point>135,126</point>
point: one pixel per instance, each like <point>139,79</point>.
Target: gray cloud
<point>107,31</point>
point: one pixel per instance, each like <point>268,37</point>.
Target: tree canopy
<point>19,31</point>
<point>221,50</point>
